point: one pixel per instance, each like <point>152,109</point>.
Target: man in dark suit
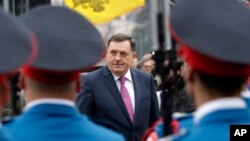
<point>128,107</point>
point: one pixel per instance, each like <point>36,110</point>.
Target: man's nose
<point>118,56</point>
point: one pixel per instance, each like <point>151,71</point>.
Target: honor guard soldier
<point>216,48</point>
<point>67,43</point>
<point>214,39</point>
<point>17,48</point>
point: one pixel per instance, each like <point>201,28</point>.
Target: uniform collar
<point>56,101</point>
<point>219,104</point>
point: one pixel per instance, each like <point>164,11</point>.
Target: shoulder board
<point>7,119</point>
<point>180,116</point>
<point>183,132</point>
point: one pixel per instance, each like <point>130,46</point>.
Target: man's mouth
<point>118,65</point>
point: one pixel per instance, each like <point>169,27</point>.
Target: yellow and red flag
<point>102,11</point>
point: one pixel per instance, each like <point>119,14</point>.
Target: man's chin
<point>118,69</point>
<point>118,72</point>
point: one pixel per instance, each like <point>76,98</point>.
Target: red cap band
<point>206,64</point>
<point>52,77</point>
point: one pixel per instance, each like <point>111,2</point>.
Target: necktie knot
<point>122,80</point>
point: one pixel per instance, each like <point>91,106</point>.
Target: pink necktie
<point>126,98</point>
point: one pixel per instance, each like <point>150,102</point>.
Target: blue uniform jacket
<point>186,125</point>
<point>4,136</point>
<point>215,126</point>
<point>52,122</point>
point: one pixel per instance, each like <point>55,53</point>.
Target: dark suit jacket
<point>100,99</point>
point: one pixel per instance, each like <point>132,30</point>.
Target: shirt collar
<point>219,104</point>
<point>49,101</point>
<point>128,76</point>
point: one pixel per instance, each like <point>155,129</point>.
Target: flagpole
<point>154,22</point>
<point>166,21</point>
<point>164,41</point>
<point>6,5</point>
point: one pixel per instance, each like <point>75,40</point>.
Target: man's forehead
<point>125,42</point>
<point>120,46</point>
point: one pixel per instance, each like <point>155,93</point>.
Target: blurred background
<point>141,23</point>
<point>148,24</point>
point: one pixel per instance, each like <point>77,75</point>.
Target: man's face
<point>147,66</point>
<point>119,57</point>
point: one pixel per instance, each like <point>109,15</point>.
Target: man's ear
<point>105,54</point>
<point>78,86</point>
<point>4,92</point>
<point>21,84</point>
<point>188,73</point>
<point>190,80</point>
<point>134,55</point>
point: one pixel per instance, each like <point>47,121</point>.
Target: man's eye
<point>113,52</point>
<point>123,54</point>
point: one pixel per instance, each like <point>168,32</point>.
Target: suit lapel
<point>138,92</point>
<point>111,85</point>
